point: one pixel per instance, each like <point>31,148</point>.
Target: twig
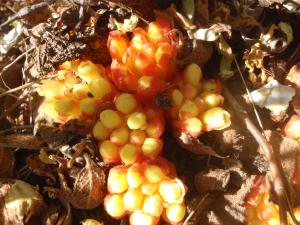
<point>26,10</point>
<point>2,90</point>
<point>16,128</point>
<point>250,97</point>
<point>23,86</point>
<point>17,89</point>
<point>185,23</point>
<point>281,185</point>
<point>198,209</point>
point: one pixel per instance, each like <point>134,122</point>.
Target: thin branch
<point>25,11</point>
<point>281,185</point>
<point>14,128</point>
<point>198,209</point>
<point>250,97</point>
<point>24,86</point>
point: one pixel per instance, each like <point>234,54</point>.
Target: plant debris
<point>119,112</point>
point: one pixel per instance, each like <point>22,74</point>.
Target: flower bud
<point>117,179</point>
<point>172,191</point>
<point>125,103</point>
<point>192,74</point>
<point>142,218</point>
<point>111,119</point>
<point>175,213</point>
<point>153,205</point>
<point>216,118</point>
<point>100,132</point>
<point>133,200</point>
<point>113,204</point>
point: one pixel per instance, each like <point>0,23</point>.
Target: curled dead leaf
<point>254,62</point>
<point>194,145</point>
<point>41,169</point>
<point>85,144</point>
<point>279,42</point>
<point>183,21</point>
<point>88,189</point>
<point>54,136</point>
<point>19,201</point>
<point>58,214</point>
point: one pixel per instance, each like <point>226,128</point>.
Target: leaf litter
<point>64,176</point>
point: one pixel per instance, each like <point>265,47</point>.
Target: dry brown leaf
<point>57,215</point>
<point>54,136</point>
<point>41,169</point>
<point>7,163</point>
<point>193,145</point>
<point>88,185</point>
<point>6,217</point>
<point>77,127</point>
<point>19,201</point>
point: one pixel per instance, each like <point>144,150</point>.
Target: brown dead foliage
<point>222,163</point>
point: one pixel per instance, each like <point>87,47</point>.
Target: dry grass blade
<point>16,128</point>
<point>198,209</point>
<point>8,92</point>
